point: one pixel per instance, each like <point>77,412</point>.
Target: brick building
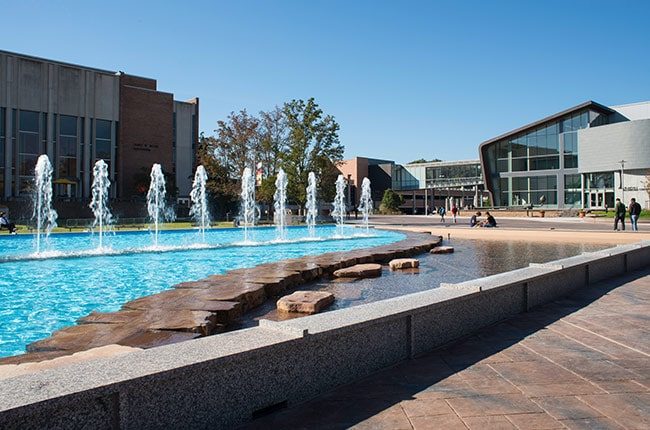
<point>78,115</point>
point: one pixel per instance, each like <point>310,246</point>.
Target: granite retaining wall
<point>228,379</point>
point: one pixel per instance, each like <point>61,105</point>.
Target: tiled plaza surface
<point>581,363</point>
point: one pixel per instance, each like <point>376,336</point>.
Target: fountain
<point>156,199</point>
<point>44,214</point>
<point>199,209</point>
<point>279,203</point>
<point>99,202</point>
<point>310,206</point>
<point>365,203</point>
<point>339,205</point>
<point>248,208</point>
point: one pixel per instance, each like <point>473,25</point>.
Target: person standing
<point>454,212</point>
<point>635,212</point>
<point>619,214</point>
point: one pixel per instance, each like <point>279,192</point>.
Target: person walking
<point>619,214</point>
<point>635,212</point>
<point>442,211</point>
<point>454,212</point>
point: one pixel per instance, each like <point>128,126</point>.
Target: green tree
<point>312,145</point>
<point>266,192</point>
<point>222,187</point>
<point>273,140</point>
<point>390,202</point>
<point>237,142</point>
<point>422,160</point>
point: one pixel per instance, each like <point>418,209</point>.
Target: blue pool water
<point>41,295</point>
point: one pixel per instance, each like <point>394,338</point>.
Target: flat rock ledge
<point>442,250</point>
<point>404,263</point>
<point>207,306</point>
<point>305,302</point>
<point>367,270</point>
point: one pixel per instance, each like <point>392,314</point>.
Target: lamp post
<point>622,184</point>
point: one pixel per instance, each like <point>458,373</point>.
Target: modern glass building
<point>425,186</point>
<point>583,157</point>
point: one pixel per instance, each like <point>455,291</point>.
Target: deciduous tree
<point>312,145</point>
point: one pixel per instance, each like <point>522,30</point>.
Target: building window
<point>67,150</point>
<point>600,180</point>
<point>103,141</point>
<point>29,148</point>
<point>572,190</point>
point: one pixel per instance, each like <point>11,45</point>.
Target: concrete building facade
<point>583,157</point>
<point>78,115</point>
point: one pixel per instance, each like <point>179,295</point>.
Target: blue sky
<point>405,80</point>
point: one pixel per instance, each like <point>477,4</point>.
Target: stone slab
<point>306,302</point>
<point>368,270</point>
<point>404,263</point>
<point>442,250</point>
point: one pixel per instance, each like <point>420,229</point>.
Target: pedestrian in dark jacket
<point>619,214</point>
<point>635,212</point>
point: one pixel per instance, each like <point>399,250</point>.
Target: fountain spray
<point>248,208</point>
<point>339,205</point>
<point>199,209</point>
<point>44,214</point>
<point>365,204</point>
<point>279,203</point>
<point>156,199</point>
<point>99,202</point>
<point>311,205</point>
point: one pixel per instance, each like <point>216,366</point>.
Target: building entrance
<point>600,199</point>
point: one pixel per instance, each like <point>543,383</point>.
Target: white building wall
<point>600,149</point>
<point>634,111</point>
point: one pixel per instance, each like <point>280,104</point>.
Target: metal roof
<point>588,104</point>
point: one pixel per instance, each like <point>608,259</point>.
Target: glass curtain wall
<point>572,190</point>
<point>535,150</point>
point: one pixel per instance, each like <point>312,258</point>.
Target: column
<point>86,158</point>
<point>113,151</point>
<point>582,190</point>
<point>8,152</point>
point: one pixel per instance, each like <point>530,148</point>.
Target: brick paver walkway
<point>581,363</point>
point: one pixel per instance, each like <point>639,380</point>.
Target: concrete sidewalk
<point>580,362</point>
<point>572,224</point>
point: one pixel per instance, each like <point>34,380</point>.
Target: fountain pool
<point>42,293</point>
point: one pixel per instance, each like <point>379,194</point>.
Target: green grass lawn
<point>645,214</point>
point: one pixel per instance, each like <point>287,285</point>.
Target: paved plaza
<point>582,362</point>
<point>509,222</point>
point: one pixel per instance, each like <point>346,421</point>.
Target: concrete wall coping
<point>103,373</point>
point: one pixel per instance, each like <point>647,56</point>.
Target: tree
<point>422,160</point>
<point>312,145</point>
<point>237,143</point>
<point>390,202</point>
<point>273,140</point>
<point>223,188</point>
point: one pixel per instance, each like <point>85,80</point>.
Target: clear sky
<point>405,80</point>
